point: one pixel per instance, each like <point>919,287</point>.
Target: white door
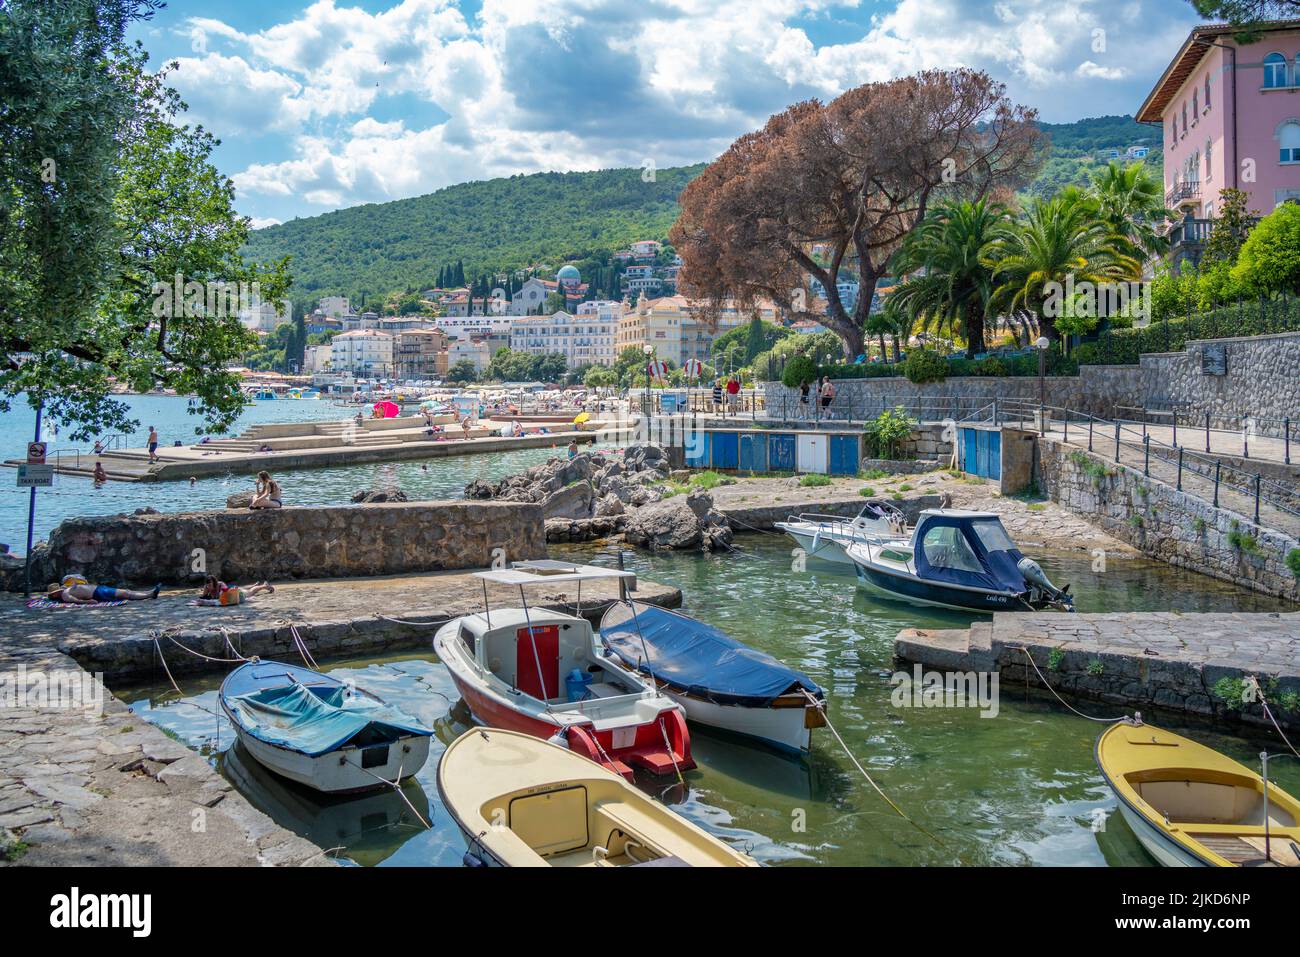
<point>812,453</point>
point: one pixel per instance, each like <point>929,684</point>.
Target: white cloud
<point>415,97</point>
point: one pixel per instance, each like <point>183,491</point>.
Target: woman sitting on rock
<point>267,494</point>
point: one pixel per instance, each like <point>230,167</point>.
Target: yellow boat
<point>1191,806</point>
<point>523,802</point>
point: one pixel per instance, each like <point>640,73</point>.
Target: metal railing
<point>1117,436</point>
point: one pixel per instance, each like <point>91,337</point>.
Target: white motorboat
<point>826,536</point>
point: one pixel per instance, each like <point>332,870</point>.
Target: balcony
<point>1183,192</point>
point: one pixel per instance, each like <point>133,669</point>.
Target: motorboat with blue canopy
<point>957,559</point>
<point>320,731</point>
<point>719,681</point>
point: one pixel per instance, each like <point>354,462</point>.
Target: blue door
<point>753,452</point>
<point>844,455</point>
<point>982,453</point>
<point>725,452</point>
<point>697,449</point>
<point>992,464</point>
<point>780,453</point>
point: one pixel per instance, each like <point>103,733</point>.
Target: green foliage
<point>739,346</point>
<point>1243,541</point>
<point>1293,561</point>
<point>511,366</point>
<point>1095,667</point>
<point>1231,691</point>
<point>1231,226</point>
<point>491,226</point>
<point>88,245</point>
<point>1054,659</point>
<point>873,475</point>
<point>923,366</point>
<point>866,491</point>
<point>462,371</point>
<point>887,430</point>
<point>1269,261</point>
<point>1089,467</point>
<point>798,370</point>
<point>814,480</point>
<point>710,480</point>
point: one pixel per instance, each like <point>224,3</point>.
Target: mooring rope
<point>1049,687</point>
<point>158,648</point>
<point>821,706</point>
<point>418,624</point>
<point>396,787</point>
<point>1252,681</point>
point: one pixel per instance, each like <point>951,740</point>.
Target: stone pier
<point>1193,663</point>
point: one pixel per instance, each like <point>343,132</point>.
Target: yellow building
<point>676,335</point>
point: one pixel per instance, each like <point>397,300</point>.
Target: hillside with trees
<point>389,252</point>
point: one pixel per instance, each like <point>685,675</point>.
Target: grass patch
<point>872,475</point>
<point>1054,659</point>
<point>1090,467</point>
<point>1293,561</point>
<point>11,852</point>
<point>709,480</point>
<point>1243,541</point>
<point>867,491</point>
<point>905,487</point>
<point>1036,507</point>
<point>1136,521</point>
<point>814,480</point>
<point>897,496</point>
<point>974,480</point>
<point>1096,668</point>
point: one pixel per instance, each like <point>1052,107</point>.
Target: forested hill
<point>521,221</point>
<point>489,225</point>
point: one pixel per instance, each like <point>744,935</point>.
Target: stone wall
<point>1097,390</point>
<point>317,542</point>
<point>1262,381</point>
<point>1165,523</point>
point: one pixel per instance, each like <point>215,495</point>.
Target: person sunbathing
<point>217,593</point>
<point>76,592</point>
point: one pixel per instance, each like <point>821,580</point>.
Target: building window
<point>1207,94</point>
<point>1209,162</point>
<point>1196,106</point>
<point>1274,71</point>
<point>1184,119</point>
<point>1288,137</point>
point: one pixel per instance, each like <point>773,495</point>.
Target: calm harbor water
<point>1018,788</point>
<point>73,496</point>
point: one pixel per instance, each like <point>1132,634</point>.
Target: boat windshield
<point>992,535</point>
<point>946,548</point>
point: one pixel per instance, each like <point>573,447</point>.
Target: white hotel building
<point>586,338</point>
<point>363,352</point>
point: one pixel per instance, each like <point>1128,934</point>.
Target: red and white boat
<point>545,673</point>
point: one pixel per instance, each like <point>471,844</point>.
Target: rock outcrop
<point>680,522</point>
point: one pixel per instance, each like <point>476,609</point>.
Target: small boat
<point>720,682</point>
<point>1191,806</point>
<point>544,673</point>
<point>522,802</point>
<point>319,731</point>
<point>824,536</point>
<point>264,394</point>
<point>957,559</point>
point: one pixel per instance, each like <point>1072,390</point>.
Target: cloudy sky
<point>340,102</point>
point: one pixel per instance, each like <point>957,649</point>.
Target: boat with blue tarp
<point>720,682</point>
<point>957,559</point>
<point>320,731</point>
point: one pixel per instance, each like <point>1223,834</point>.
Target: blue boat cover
<point>318,718</point>
<point>693,657</point>
<point>987,559</point>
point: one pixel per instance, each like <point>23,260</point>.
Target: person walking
<point>733,393</point>
<point>153,444</point>
<point>828,396</point>
<point>805,388</point>
<point>717,396</point>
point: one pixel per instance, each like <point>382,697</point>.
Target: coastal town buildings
<point>420,354</point>
<point>584,339</point>
<point>362,352</point>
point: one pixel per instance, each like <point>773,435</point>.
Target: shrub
<point>923,366</point>
<point>798,370</point>
<point>887,430</point>
<point>815,480</point>
<point>867,491</point>
<point>1293,561</point>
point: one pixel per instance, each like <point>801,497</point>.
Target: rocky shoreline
<point>595,496</point>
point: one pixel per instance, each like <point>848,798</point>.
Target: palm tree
<point>1058,240</point>
<point>1131,200</point>
<point>951,281</point>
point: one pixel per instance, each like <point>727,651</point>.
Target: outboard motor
<point>1041,588</point>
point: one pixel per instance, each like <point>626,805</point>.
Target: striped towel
<point>46,603</point>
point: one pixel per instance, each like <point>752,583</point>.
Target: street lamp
<point>1041,345</point>
<point>649,350</point>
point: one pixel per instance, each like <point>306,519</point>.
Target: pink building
<point>1231,119</point>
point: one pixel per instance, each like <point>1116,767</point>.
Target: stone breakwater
<point>1168,524</point>
<point>1191,663</point>
<point>275,544</point>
